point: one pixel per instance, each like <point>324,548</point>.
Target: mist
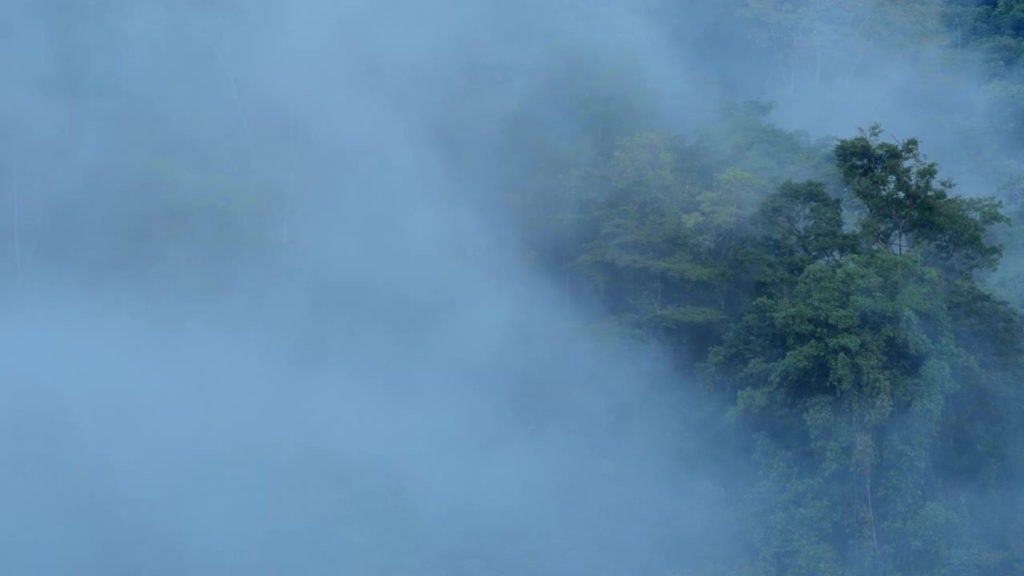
<point>264,309</point>
<point>373,380</point>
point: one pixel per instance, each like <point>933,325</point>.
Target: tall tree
<point>849,364</point>
<point>906,208</point>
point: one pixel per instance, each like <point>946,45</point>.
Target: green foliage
<point>656,237</point>
<point>997,27</point>
<point>907,210</point>
<point>832,299</point>
<point>746,139</point>
<point>812,41</point>
<point>663,224</point>
<point>799,225</point>
<point>859,360</point>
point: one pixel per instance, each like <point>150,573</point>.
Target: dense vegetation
<point>838,298</point>
<point>841,319</point>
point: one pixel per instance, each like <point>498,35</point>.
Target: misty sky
<point>376,381</point>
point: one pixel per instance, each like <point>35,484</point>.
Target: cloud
<point>264,328</point>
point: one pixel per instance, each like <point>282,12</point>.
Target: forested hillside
<point>842,299</point>
<point>839,298</point>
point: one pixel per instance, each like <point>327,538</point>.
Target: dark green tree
<point>799,225</point>
<point>905,208</point>
<point>849,365</point>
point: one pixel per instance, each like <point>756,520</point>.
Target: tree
<point>799,225</point>
<point>657,240</point>
<point>815,41</point>
<point>823,369</point>
<point>857,362</point>
<point>906,209</point>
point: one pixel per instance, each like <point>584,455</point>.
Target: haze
<point>350,363</point>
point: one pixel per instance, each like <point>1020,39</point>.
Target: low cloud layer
<point>348,365</point>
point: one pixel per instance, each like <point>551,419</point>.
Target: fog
<point>375,382</point>
<point>350,366</point>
